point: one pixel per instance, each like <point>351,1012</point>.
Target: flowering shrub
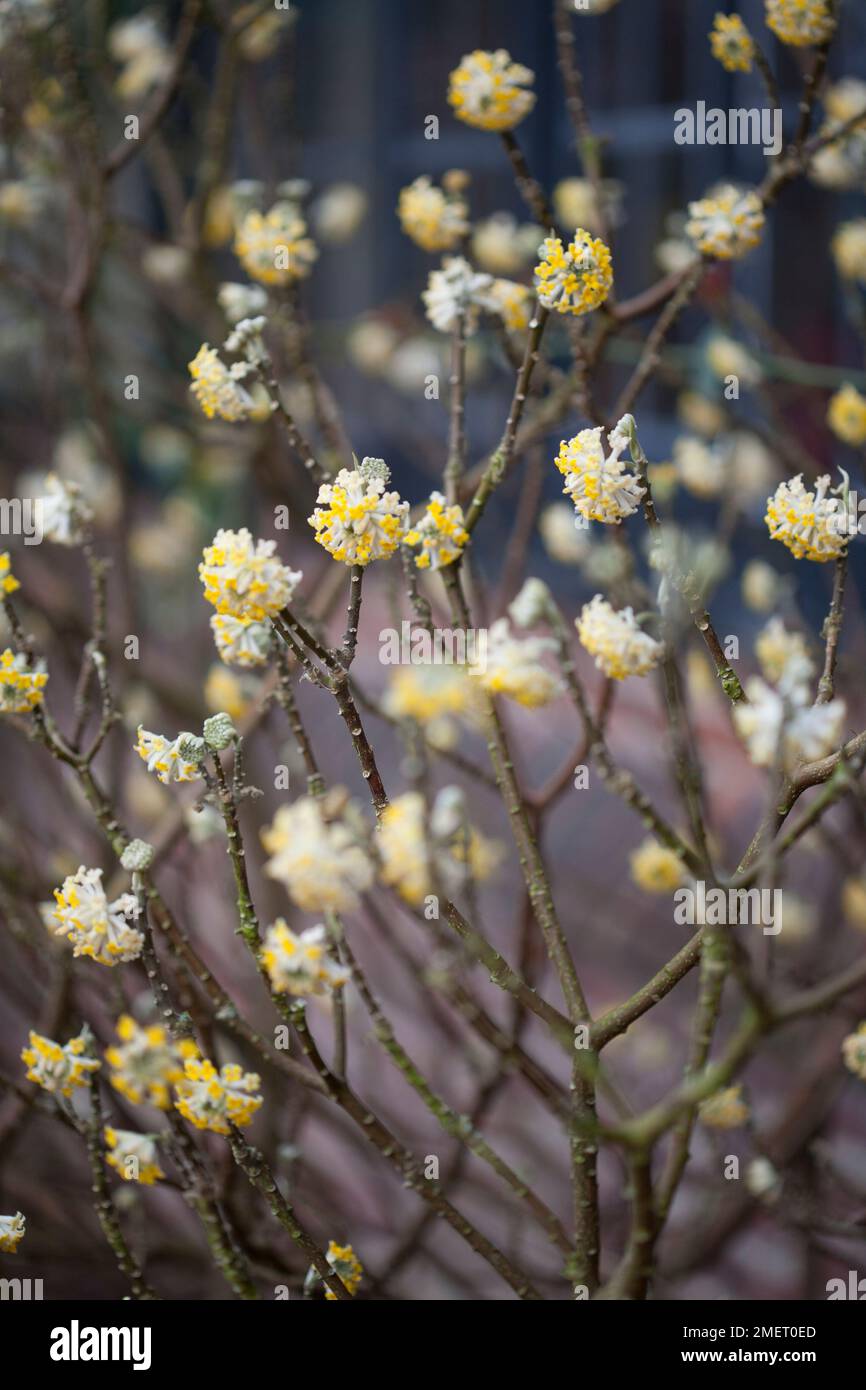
<point>364,776</point>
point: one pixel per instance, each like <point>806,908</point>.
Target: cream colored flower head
<point>319,862</point>
<point>410,842</point>
<point>12,1229</point>
<point>849,250</point>
<point>724,1110</point>
<point>219,389</point>
<point>59,1067</point>
<point>489,91</point>
<point>846,415</point>
<point>299,963</point>
<point>800,23</point>
<point>732,44</point>
<point>22,687</point>
<point>213,1099</point>
<point>513,303</point>
<point>564,533</point>
<point>810,524</point>
<point>854,1052</point>
<point>241,642</point>
<point>511,666</point>
<point>434,220</point>
<point>502,245</point>
<point>439,536</point>
<point>576,278</point>
<point>783,656</point>
<point>169,758</point>
<point>454,290</point>
<point>274,247</point>
<point>616,641</point>
<point>65,515</point>
<point>345,1263</point>
<point>146,1062</point>
<point>727,223</point>
<point>356,520</point>
<point>134,1156</point>
<point>655,868</point>
<point>97,928</point>
<point>246,578</point>
<point>700,467</point>
<point>782,726</point>
<point>434,696</point>
<point>599,483</point>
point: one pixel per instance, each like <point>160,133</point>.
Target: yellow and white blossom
<point>420,853</point>
<point>616,641</point>
<point>503,246</point>
<point>576,204</point>
<point>274,247</point>
<point>724,1110</point>
<point>319,862</point>
<point>854,1052</point>
<point>355,519</point>
<point>782,725</point>
<point>760,586</point>
<point>65,514</point>
<point>147,1062</point>
<point>726,357</point>
<point>732,44</point>
<point>434,696</point>
<point>212,1099</point>
<point>727,223</point>
<point>246,578</point>
<point>783,656</point>
<point>241,301</point>
<point>564,533</point>
<point>512,667</point>
<point>12,1230</point>
<point>487,90</point>
<point>576,278</point>
<point>169,758</point>
<point>219,389</point>
<point>810,524</point>
<point>440,534</point>
<point>338,212</point>
<point>140,45</point>
<point>432,219</point>
<point>513,303</point>
<point>597,482</point>
<point>655,868</point>
<point>22,687</point>
<point>849,249</point>
<point>241,642</point>
<point>846,415</point>
<point>96,927</point>
<point>454,290</point>
<point>800,23</point>
<point>700,466</point>
<point>345,1263</point>
<point>300,964</point>
<point>59,1067</point>
<point>134,1156</point>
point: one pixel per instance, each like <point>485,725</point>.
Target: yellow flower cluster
<point>273,247</point>
<point>8,582</point>
<point>488,90</point>
<point>58,1067</point>
<point>598,483</point>
<point>97,928</point>
<point>846,415</point>
<point>854,1051</point>
<point>512,302</point>
<point>318,861</point>
<point>440,533</point>
<point>21,686</point>
<point>731,43</point>
<point>408,857</point>
<point>433,696</point>
<point>616,641</point>
<point>246,578</point>
<point>12,1230</point>
<point>241,642</point>
<point>800,22</point>
<point>219,389</point>
<point>655,868</point>
<point>133,1156</point>
<point>345,1263</point>
<point>168,758</point>
<point>213,1100</point>
<point>726,224</point>
<point>356,520</point>
<point>725,1110</point>
<point>573,279</point>
<point>806,522</point>
<point>849,249</point>
<point>300,964</point>
<point>511,666</point>
<point>433,220</point>
<point>147,1063</point>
